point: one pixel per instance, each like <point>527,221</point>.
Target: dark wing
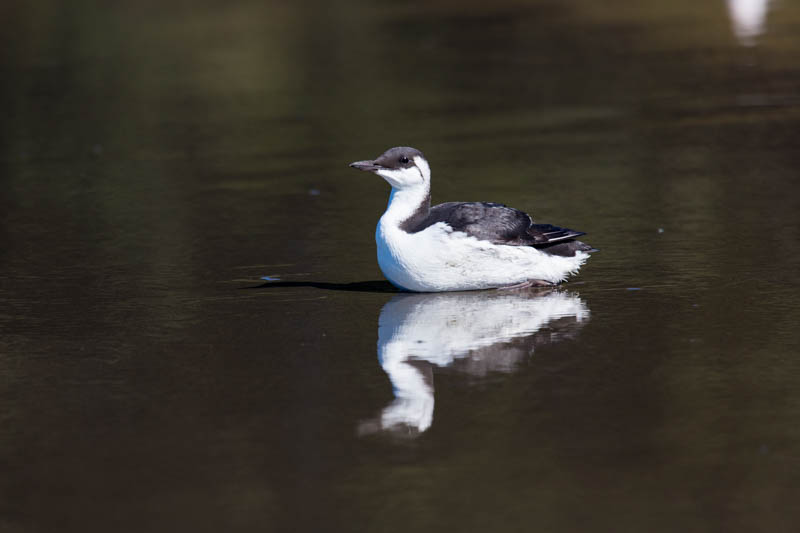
<point>504,225</point>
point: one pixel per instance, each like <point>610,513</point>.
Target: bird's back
<point>500,224</point>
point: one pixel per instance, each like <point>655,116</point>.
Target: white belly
<point>439,259</point>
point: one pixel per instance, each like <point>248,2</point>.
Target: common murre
<point>459,246</point>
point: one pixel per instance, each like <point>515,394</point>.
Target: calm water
<point>157,161</point>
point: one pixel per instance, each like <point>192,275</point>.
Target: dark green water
<point>157,160</point>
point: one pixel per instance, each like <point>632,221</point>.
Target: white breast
<point>440,259</point>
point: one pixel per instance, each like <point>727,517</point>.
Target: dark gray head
<point>402,166</point>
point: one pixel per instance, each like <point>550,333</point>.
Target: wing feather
<point>498,224</point>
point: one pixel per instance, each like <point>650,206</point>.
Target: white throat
<point>403,203</point>
<point>411,188</point>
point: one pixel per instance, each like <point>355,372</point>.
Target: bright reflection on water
<point>477,332</point>
<point>748,19</point>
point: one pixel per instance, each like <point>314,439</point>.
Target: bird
<point>462,246</point>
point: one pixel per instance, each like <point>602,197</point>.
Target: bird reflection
<point>748,18</point>
<point>474,332</point>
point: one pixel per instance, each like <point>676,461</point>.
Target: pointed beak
<point>368,166</point>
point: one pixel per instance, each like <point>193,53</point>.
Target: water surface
<point>158,161</point>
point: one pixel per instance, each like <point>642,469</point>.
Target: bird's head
<point>402,166</point>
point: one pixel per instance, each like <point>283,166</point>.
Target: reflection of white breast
<point>442,327</point>
<point>419,330</point>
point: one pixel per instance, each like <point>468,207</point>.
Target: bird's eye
<point>404,160</point>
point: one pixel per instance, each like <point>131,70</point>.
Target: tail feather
<point>566,249</point>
